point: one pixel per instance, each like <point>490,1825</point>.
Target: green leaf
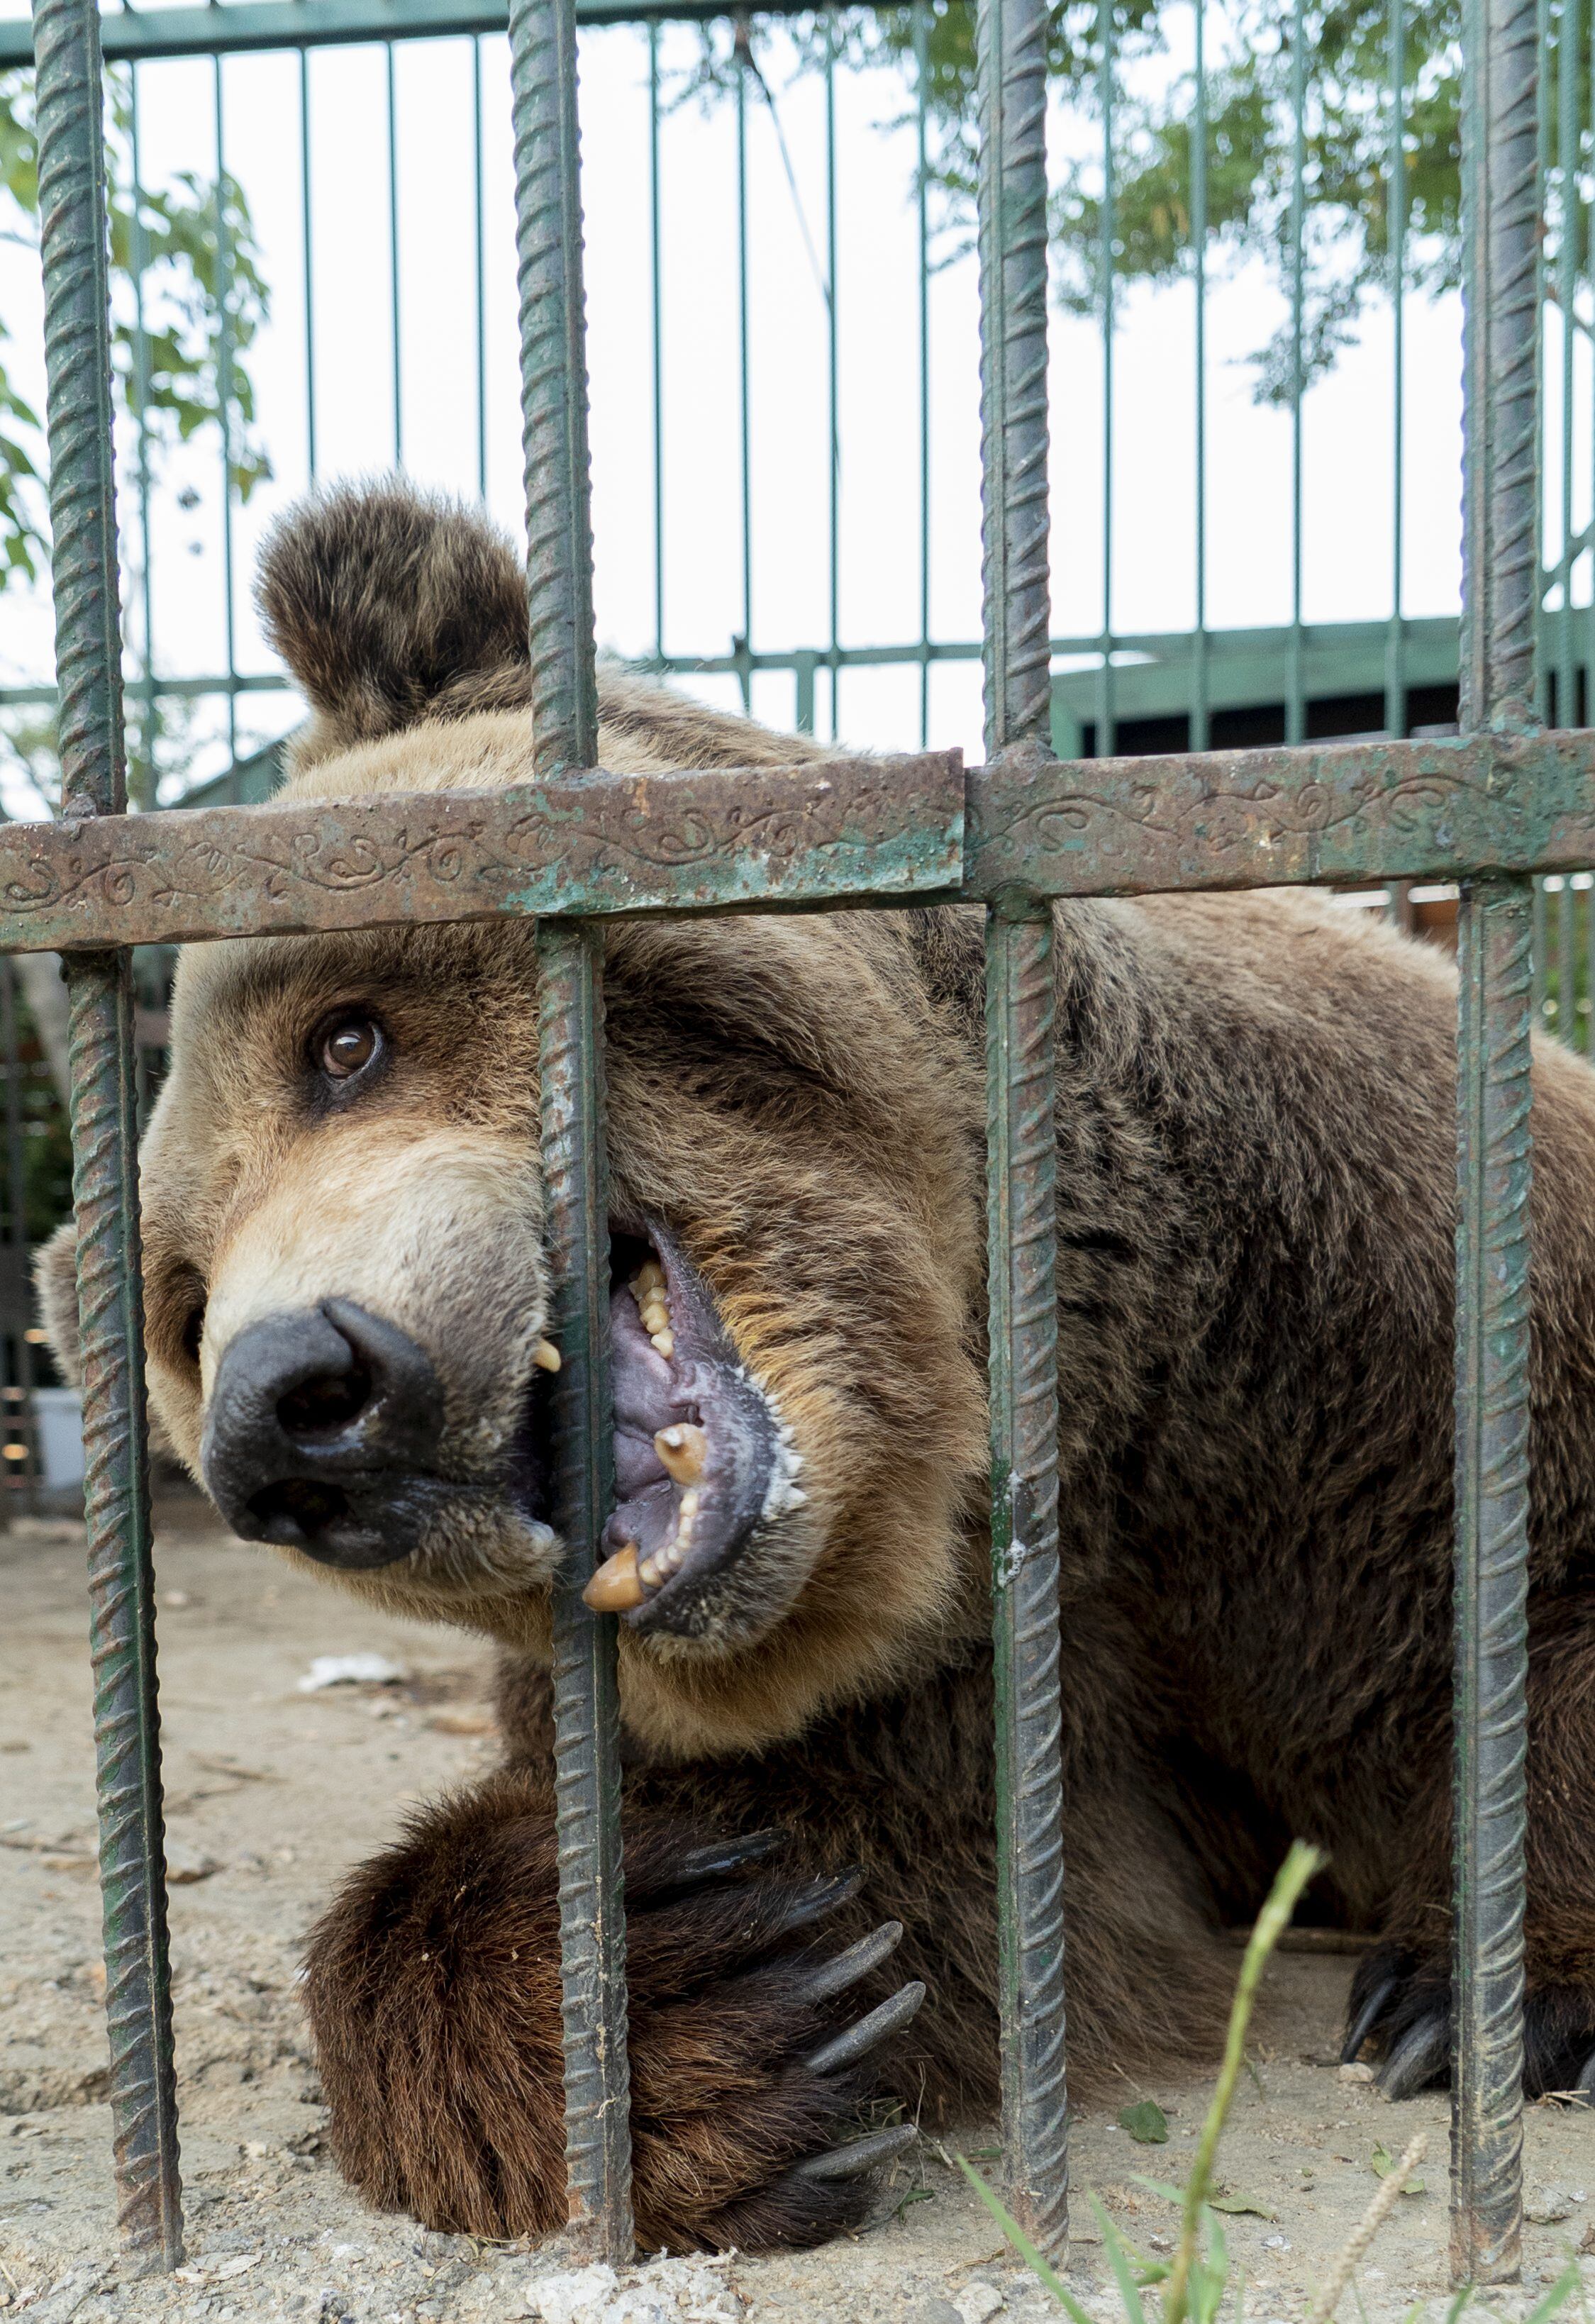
<point>1039,2266</point>
<point>1565,2285</point>
<point>1147,2123</point>
<point>1248,2204</point>
<point>1120,2262</point>
<point>1385,2163</point>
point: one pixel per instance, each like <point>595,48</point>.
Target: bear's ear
<point>55,1281</point>
<point>388,606</point>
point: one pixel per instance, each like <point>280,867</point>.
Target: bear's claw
<point>887,2018</point>
<point>1368,2017</point>
<point>1422,2057</point>
<point>859,2155</point>
<point>1403,2005</point>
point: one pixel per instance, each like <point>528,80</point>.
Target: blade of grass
<point>1293,1877</point>
<point>1036,2261</point>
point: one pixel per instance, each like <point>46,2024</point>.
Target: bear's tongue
<point>698,1453</point>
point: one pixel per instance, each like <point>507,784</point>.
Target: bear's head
<point>347,1295</point>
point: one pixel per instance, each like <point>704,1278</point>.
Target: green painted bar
<point>1395,676</point>
<point>749,839</point>
<point>251,24</point>
<point>1198,730</point>
<point>565,741</point>
<point>105,1176</point>
<point>1021,1148</point>
<point>1331,813</point>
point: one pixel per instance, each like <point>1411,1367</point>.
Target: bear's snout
<point>321,1426</point>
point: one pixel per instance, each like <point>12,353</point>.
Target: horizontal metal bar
<point>871,830</point>
<point>1139,655</point>
<point>574,843</point>
<point>1438,808</point>
<point>225,30</point>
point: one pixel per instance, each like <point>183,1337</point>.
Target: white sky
<point>1348,426</point>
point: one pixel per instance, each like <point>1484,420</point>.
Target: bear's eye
<point>194,1332</point>
<point>348,1047</point>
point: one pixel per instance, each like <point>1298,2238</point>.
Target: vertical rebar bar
<point>1493,1168</point>
<point>1567,1019</point>
<point>563,704</point>
<point>73,230</point>
<point>1500,175</point>
<point>1021,1139</point>
<point>587,1706</point>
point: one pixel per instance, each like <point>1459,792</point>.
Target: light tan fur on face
<point>739,1052</point>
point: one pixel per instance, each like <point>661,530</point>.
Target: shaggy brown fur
<point>1255,1221</point>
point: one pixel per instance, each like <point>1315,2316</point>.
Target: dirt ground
<point>273,1792</point>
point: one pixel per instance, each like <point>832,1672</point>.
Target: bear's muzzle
<point>321,1425</point>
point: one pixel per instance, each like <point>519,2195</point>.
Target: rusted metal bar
<point>591,1905</point>
<point>565,742</point>
<point>1021,1155</point>
<point>1495,945</point>
<point>1494,1168</point>
<point>1434,808</point>
<point>138,2003</point>
<point>572,844</point>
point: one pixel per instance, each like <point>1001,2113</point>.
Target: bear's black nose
<point>321,1423</point>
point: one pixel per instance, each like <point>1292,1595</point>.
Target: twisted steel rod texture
<point>1499,926</point>
<point>553,385</point>
<point>1501,178</point>
<point>587,1721</point>
<point>74,231</point>
<point>1022,1231</point>
<point>1494,1171</point>
<point>1011,38</point>
<point>1022,1153</point>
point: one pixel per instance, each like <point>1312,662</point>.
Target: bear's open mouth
<point>701,1458</point>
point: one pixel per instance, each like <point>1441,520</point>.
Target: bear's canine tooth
<point>665,1341</point>
<point>683,1450</point>
<point>545,1356</point>
<point>616,1587</point>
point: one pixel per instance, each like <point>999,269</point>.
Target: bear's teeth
<point>545,1356</point>
<point>650,1277</point>
<point>668,1558</point>
<point>616,1587</point>
<point>665,1342</point>
<point>683,1450</point>
<point>662,1564</point>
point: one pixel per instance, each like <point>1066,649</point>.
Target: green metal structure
<point>1489,808</point>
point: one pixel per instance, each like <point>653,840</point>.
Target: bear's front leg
<point>433,1987</point>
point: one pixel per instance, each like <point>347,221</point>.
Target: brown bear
<point>346,1331</point>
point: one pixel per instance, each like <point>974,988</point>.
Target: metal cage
<point>1504,800</point>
